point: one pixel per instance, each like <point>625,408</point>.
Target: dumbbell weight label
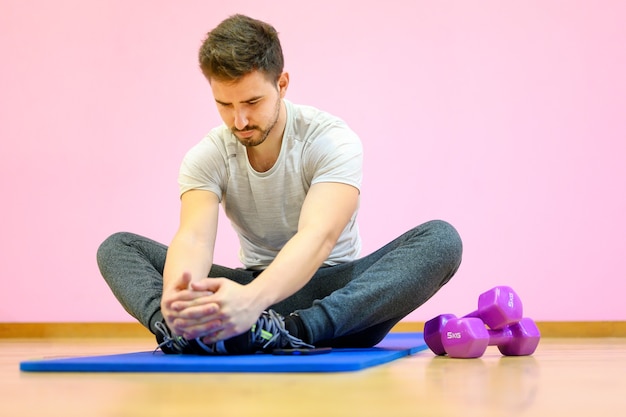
<point>511,300</point>
<point>465,337</point>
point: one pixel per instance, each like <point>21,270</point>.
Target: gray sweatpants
<point>353,304</point>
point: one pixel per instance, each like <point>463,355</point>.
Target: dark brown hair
<point>240,45</point>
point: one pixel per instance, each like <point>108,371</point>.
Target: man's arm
<point>190,254</point>
<point>326,211</point>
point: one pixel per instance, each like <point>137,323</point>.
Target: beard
<point>260,134</point>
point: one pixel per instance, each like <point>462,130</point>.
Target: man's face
<point>250,107</point>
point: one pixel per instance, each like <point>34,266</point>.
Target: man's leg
<point>358,303</point>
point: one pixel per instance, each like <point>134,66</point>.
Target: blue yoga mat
<point>394,346</point>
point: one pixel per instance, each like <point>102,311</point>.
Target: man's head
<point>238,46</point>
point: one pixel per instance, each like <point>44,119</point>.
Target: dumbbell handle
<point>499,337</point>
<point>510,340</point>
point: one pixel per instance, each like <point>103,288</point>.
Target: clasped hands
<point>213,309</point>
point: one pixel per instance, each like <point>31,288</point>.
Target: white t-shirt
<point>264,207</point>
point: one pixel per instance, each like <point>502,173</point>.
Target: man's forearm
<point>293,267</point>
<point>187,254</point>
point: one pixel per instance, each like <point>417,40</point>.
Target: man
<point>288,177</point>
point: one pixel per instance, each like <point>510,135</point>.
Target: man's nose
<point>241,119</point>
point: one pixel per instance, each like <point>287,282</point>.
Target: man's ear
<point>283,83</point>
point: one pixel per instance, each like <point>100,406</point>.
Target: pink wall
<point>506,119</point>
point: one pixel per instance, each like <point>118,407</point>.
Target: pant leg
<point>353,304</point>
<point>132,266</point>
<point>362,300</point>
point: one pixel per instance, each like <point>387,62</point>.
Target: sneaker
<point>171,344</point>
<point>267,334</point>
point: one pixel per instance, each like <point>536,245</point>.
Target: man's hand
<point>230,309</point>
<point>177,298</point>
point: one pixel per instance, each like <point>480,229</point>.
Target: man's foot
<point>267,334</point>
<point>172,344</point>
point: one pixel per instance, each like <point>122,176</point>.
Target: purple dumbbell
<point>469,338</point>
<point>498,307</point>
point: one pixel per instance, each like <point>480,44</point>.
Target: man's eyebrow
<point>250,100</point>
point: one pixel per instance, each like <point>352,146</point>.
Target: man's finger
<point>207,284</point>
<point>183,282</point>
<point>195,310</point>
<point>191,330</point>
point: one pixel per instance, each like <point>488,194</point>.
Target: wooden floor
<point>565,377</point>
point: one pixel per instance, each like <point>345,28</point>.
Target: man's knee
<point>109,246</point>
<point>449,246</point>
<point>447,236</point>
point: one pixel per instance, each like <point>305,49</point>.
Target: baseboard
<point>135,330</point>
<point>73,330</point>
<point>554,328</point>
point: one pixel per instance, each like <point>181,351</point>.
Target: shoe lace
<point>269,332</point>
<point>175,343</point>
<point>213,348</point>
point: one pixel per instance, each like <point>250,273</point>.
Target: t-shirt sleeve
<point>336,156</point>
<point>204,168</point>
